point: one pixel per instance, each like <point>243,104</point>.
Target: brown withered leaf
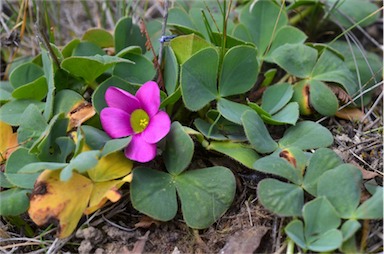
<point>351,114</point>
<point>146,222</point>
<point>245,241</point>
<point>340,93</point>
<point>366,173</point>
<point>80,113</point>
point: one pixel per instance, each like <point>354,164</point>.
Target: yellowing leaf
<point>102,192</point>
<point>8,141</point>
<point>110,167</point>
<point>55,201</point>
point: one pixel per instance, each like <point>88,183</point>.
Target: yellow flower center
<point>143,122</point>
<point>139,120</point>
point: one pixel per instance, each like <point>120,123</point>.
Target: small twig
<point>274,234</point>
<point>274,28</point>
<point>117,225</point>
<point>163,29</point>
<point>378,100</point>
<point>44,40</point>
<point>148,44</point>
<point>369,126</point>
<point>249,214</point>
<point>358,157</point>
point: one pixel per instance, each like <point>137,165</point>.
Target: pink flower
<point>138,116</point>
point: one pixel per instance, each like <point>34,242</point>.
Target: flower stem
<point>301,15</point>
<point>290,247</point>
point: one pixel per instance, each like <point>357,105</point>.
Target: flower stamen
<point>139,120</point>
<point>143,122</point>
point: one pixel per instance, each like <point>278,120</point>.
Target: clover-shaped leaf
<point>262,19</point>
<point>211,189</point>
<point>330,67</point>
<point>231,110</point>
<point>319,230</point>
<point>372,208</point>
<point>286,35</point>
<point>136,70</point>
<point>321,161</point>
<point>13,201</point>
<point>15,162</point>
<point>128,34</point>
<point>276,97</point>
<point>179,149</point>
<point>306,135</point>
<point>98,96</point>
<point>238,151</point>
<point>171,70</point>
<point>198,78</point>
<point>239,70</point>
<point>12,111</point>
<point>281,198</point>
<point>25,74</point>
<point>257,132</point>
<point>347,14</point>
<point>81,163</point>
<point>90,67</point>
<point>153,193</point>
<point>186,46</point>
<point>322,99</point>
<point>341,186</point>
<point>279,167</point>
<point>32,126</point>
<point>219,128</point>
<point>100,37</point>
<point>287,57</point>
<point>349,228</point>
<point>319,217</point>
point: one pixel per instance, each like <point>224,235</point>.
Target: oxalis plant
<point>78,123</point>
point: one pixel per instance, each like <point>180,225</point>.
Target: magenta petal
<point>116,122</point>
<point>118,98</point>
<point>139,150</point>
<point>158,128</point>
<point>149,96</point>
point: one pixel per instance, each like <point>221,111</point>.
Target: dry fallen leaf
<point>146,222</point>
<point>366,173</point>
<point>59,202</point>
<point>351,114</point>
<point>245,241</point>
<point>79,114</point>
<point>341,94</point>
